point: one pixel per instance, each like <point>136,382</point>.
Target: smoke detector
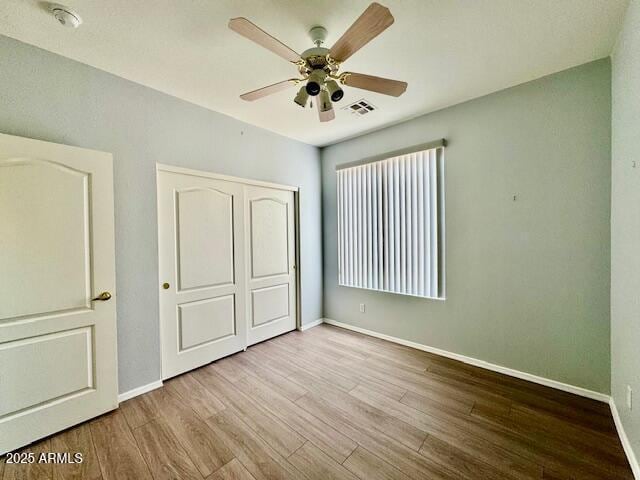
<point>65,15</point>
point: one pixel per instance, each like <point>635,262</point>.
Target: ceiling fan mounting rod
<point>318,35</point>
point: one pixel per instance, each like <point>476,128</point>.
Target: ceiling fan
<point>319,66</point>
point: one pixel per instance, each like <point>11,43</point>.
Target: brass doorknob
<point>165,285</point>
<point>103,297</point>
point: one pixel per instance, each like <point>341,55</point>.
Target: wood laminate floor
<point>332,404</point>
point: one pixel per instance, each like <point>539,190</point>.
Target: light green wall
<point>527,281</point>
<point>625,224</point>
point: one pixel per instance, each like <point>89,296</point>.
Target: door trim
<point>296,237</point>
<point>228,178</point>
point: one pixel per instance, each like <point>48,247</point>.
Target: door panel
<point>269,304</point>
<point>205,225</point>
<point>57,347</point>
<point>200,234</point>
<point>269,237</point>
<point>271,281</point>
<point>196,327</point>
<point>48,257</point>
<point>38,356</point>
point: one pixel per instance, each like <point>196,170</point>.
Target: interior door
<point>271,277</point>
<point>202,290</point>
<point>58,364</point>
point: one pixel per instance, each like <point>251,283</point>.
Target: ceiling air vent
<point>360,108</point>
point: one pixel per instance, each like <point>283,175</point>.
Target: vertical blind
<point>391,224</point>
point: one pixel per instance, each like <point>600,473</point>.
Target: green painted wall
<point>625,224</point>
<point>527,281</point>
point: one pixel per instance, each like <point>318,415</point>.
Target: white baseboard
<point>583,392</point>
<point>139,391</point>
<point>626,444</point>
<point>307,326</point>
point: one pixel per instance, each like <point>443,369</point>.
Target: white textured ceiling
<point>447,50</point>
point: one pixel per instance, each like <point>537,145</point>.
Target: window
<point>391,224</point>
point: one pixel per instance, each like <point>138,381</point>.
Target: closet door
<point>201,267</point>
<point>270,247</point>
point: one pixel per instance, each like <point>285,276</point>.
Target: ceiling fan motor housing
<point>315,57</point>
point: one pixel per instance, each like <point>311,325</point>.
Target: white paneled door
<point>58,364</point>
<point>271,278</point>
<point>226,266</point>
<point>200,234</point>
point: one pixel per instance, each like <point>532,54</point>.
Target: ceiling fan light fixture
<point>315,82</point>
<point>312,88</point>
<point>302,97</point>
<point>325,101</point>
<point>334,90</point>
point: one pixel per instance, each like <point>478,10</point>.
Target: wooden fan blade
<point>386,86</point>
<point>254,33</point>
<point>326,116</point>
<point>268,90</point>
<point>375,20</point>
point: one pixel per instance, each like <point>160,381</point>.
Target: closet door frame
<point>245,181</point>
